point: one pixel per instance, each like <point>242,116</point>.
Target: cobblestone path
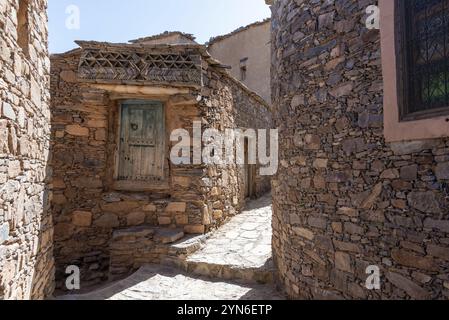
<point>234,263</point>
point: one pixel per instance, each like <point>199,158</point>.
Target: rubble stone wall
<point>26,232</point>
<point>344,199</point>
<point>87,208</point>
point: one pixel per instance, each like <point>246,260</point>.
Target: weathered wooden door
<point>248,173</point>
<point>142,142</point>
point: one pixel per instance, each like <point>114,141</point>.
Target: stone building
<point>364,175</point>
<point>114,107</point>
<point>26,262</point>
<point>247,51</point>
<point>167,37</point>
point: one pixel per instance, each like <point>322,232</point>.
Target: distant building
<point>248,51</point>
<point>167,37</point>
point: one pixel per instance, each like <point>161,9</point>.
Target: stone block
<point>4,232</point>
<point>63,231</point>
<point>195,229</point>
<point>304,233</point>
<point>441,225</point>
<point>347,246</point>
<point>107,221</point>
<point>36,93</point>
<point>442,171</point>
<point>350,212</point>
<point>390,174</point>
<point>181,219</point>
<point>100,135</point>
<point>411,147</point>
<point>317,222</point>
<point>149,208</point>
<point>298,100</point>
<point>217,214</point>
<point>58,183</point>
<point>320,163</point>
<point>164,221</point>
<point>343,262</point>
<point>96,123</point>
<point>68,76</point>
<point>409,173</point>
<point>136,218</point>
<point>182,181</point>
<point>424,201</point>
<point>342,90</point>
<point>409,259</point>
<point>411,288</point>
<point>4,134</point>
<point>122,207</point>
<point>438,252</point>
<point>59,199</point>
<point>82,218</point>
<point>77,130</point>
<point>312,142</point>
<point>14,168</point>
<point>337,227</point>
<point>167,236</point>
<point>7,111</point>
<point>176,207</point>
<point>352,228</point>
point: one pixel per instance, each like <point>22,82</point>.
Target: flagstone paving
<point>232,263</point>
<point>239,249</point>
<point>155,282</point>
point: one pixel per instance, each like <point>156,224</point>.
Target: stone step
<point>133,247</point>
<point>155,282</point>
<point>179,251</point>
<point>239,250</point>
<point>167,236</point>
<point>182,256</point>
<point>263,275</point>
<point>133,233</point>
<point>189,244</point>
<point>160,235</point>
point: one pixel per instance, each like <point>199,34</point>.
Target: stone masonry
<point>344,199</point>
<point>94,215</point>
<point>231,263</point>
<point>26,232</point>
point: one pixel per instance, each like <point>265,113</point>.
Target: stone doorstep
<point>189,244</point>
<point>263,275</point>
<point>173,242</point>
<point>144,274</point>
<point>160,235</point>
<point>167,236</point>
<point>179,251</point>
<point>135,232</point>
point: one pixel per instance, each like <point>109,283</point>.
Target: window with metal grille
<point>424,71</point>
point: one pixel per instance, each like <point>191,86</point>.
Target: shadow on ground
<point>155,282</point>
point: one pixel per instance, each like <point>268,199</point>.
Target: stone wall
<point>87,206</point>
<point>345,199</point>
<point>26,261</point>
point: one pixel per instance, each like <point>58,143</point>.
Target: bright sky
<point>121,20</point>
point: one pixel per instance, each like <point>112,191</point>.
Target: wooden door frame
<point>130,185</point>
<point>249,172</point>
